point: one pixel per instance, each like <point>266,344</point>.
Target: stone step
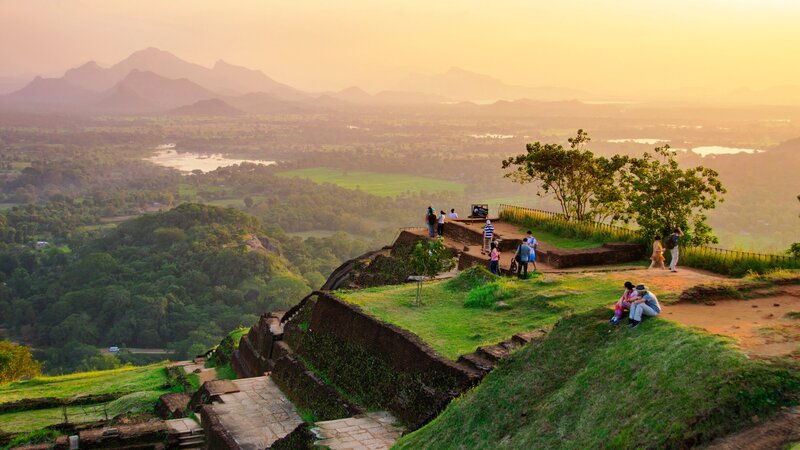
<point>476,362</point>
<point>493,353</point>
<point>509,345</point>
<point>527,336</point>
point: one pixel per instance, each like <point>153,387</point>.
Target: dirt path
<point>768,326</point>
<point>778,432</point>
<point>665,282</point>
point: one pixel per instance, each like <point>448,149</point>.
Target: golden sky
<point>595,45</point>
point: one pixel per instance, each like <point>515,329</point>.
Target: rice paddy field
<point>375,183</point>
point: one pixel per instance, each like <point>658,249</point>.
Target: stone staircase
<point>373,431</point>
<point>189,434</point>
<point>486,358</point>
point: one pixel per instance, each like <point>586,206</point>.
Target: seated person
<point>624,303</point>
<point>646,304</point>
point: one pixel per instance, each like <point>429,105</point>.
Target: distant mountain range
<point>153,81</point>
<point>156,81</point>
<point>462,85</point>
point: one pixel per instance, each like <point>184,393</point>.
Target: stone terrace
<point>373,431</point>
<point>258,415</point>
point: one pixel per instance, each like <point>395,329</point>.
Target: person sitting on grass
<point>646,304</point>
<point>624,303</point>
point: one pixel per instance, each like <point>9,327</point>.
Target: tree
<point>794,249</point>
<point>248,202</point>
<point>583,184</point>
<point>16,362</point>
<point>660,196</point>
<point>428,259</point>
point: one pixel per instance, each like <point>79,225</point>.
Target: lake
<point>648,141</point>
<point>718,150</point>
<point>187,161</point>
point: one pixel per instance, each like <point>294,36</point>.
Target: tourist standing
<point>488,232</point>
<point>657,258</point>
<point>453,214</point>
<point>534,245</point>
<point>672,245</point>
<point>523,256</point>
<point>494,259</point>
<point>430,219</point>
<point>440,226</point>
<point>646,304</point>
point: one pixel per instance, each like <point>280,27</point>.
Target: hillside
<point>172,280</point>
<point>590,386</point>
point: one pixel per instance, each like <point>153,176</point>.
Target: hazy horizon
<point>603,49</point>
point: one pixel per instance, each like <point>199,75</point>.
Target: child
<point>494,259</point>
<point>624,302</point>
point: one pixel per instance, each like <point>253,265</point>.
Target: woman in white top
<point>440,228</point>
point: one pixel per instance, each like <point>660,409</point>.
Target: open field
<point>452,329</point>
<point>126,379</point>
<point>381,184</point>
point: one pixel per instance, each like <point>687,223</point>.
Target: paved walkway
<point>373,431</point>
<point>257,415</point>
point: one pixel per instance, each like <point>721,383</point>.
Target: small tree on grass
<point>428,259</point>
<point>16,362</point>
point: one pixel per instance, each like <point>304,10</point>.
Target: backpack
<point>672,242</point>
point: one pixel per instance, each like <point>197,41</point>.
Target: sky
<point>597,46</point>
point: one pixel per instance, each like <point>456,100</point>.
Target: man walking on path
<point>488,232</point>
<point>672,245</point>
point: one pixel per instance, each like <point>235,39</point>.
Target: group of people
<point>639,301</point>
<point>524,255</point>
<point>436,222</point>
<point>657,258</point>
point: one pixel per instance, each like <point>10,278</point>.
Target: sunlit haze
<point>602,47</point>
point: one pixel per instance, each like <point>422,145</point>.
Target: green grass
<point>126,379</point>
<point>452,329</point>
<point>375,183</point>
<point>588,385</point>
<point>25,421</point>
<point>564,243</point>
<point>34,437</point>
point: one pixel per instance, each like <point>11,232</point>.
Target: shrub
<point>471,278</point>
<point>487,295</point>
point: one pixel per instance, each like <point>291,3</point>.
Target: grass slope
<point>591,386</point>
<point>134,403</point>
<point>125,379</point>
<point>143,386</point>
<point>452,329</point>
<point>375,183</point>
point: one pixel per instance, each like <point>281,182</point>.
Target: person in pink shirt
<point>494,259</point>
<point>624,302</point>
